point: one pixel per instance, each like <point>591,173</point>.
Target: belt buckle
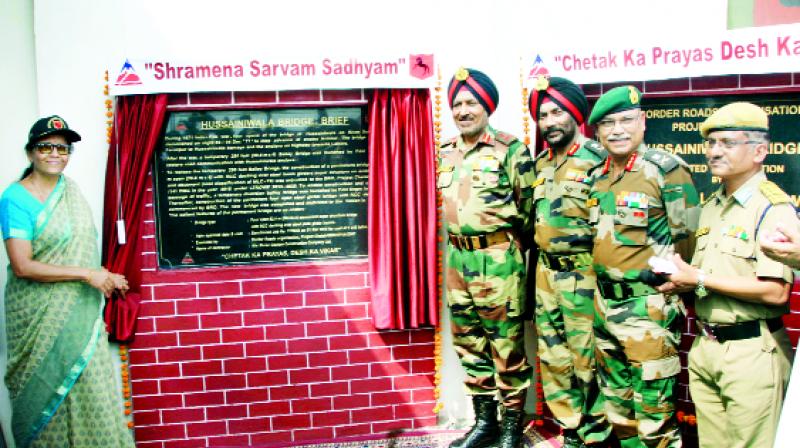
<point>708,331</point>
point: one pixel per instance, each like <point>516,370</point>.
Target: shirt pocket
<point>630,226</point>
<point>486,177</point>
<point>742,250</point>
<point>573,199</point>
<point>444,176</point>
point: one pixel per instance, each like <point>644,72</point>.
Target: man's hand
<point>782,245</point>
<point>683,280</point>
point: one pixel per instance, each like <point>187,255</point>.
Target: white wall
<point>55,63</point>
<point>20,108</point>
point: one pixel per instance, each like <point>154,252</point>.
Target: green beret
<point>616,100</point>
<point>738,116</point>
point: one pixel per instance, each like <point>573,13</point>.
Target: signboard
<point>673,125</point>
<point>260,73</point>
<point>245,186</point>
<point>773,49</point>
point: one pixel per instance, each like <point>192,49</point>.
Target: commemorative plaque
<point>673,125</point>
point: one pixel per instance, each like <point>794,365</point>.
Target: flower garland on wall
<point>538,417</point>
<point>437,338</point>
<point>123,349</point>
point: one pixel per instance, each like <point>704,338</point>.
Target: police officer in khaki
<point>740,360</point>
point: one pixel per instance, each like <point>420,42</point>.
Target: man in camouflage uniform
<point>644,205</point>
<point>740,360</point>
<point>565,281</point>
<point>485,177</point>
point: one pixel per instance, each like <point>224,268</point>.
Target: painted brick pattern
<point>240,356</point>
<point>714,85</point>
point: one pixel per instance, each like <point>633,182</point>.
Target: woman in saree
<point>60,374</point>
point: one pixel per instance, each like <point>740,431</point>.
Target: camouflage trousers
<point>637,340</point>
<point>564,318</point>
<point>485,291</point>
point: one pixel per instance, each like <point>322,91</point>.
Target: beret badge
<point>634,95</point>
<point>541,83</point>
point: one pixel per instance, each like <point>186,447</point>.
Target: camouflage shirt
<point>559,198</point>
<point>486,188</point>
<point>651,209</point>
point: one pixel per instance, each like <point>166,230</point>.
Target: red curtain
<point>402,210</point>
<point>138,123</point>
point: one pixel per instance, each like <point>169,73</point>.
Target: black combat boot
<point>511,429</point>
<point>486,430</point>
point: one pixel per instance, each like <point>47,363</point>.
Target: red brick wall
<point>270,354</point>
<point>714,85</point>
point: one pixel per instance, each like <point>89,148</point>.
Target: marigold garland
<point>525,114</point>
<point>538,417</point>
<point>437,338</point>
<point>123,349</point>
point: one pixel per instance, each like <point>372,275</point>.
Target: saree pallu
<point>60,375</point>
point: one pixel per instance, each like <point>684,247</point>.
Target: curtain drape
<point>137,127</point>
<point>402,210</point>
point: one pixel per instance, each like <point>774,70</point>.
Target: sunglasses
<point>47,148</point>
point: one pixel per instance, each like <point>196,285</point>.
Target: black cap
<point>51,125</point>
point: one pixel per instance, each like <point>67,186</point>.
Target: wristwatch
<point>700,289</point>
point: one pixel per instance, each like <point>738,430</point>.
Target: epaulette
<point>773,193</point>
<point>505,138</point>
<point>595,148</point>
<point>450,142</point>
<point>542,153</point>
<point>664,160</point>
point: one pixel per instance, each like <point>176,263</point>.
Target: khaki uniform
<point>565,285</point>
<point>738,385</point>
<point>649,210</point>
<point>487,197</point>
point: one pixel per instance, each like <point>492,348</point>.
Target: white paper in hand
<point>662,265</point>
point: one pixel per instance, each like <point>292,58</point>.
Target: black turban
<point>476,82</point>
<point>565,93</point>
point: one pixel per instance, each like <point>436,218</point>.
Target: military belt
<point>474,242</point>
<point>738,331</point>
<point>623,290</point>
<point>565,263</point>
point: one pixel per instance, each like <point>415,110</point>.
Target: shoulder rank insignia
<point>773,193</point>
<point>444,168</point>
<point>595,148</point>
<point>505,138</point>
<point>591,202</point>
<point>666,161</point>
<point>537,182</point>
<point>702,231</point>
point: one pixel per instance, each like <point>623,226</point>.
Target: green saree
<point>60,375</point>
